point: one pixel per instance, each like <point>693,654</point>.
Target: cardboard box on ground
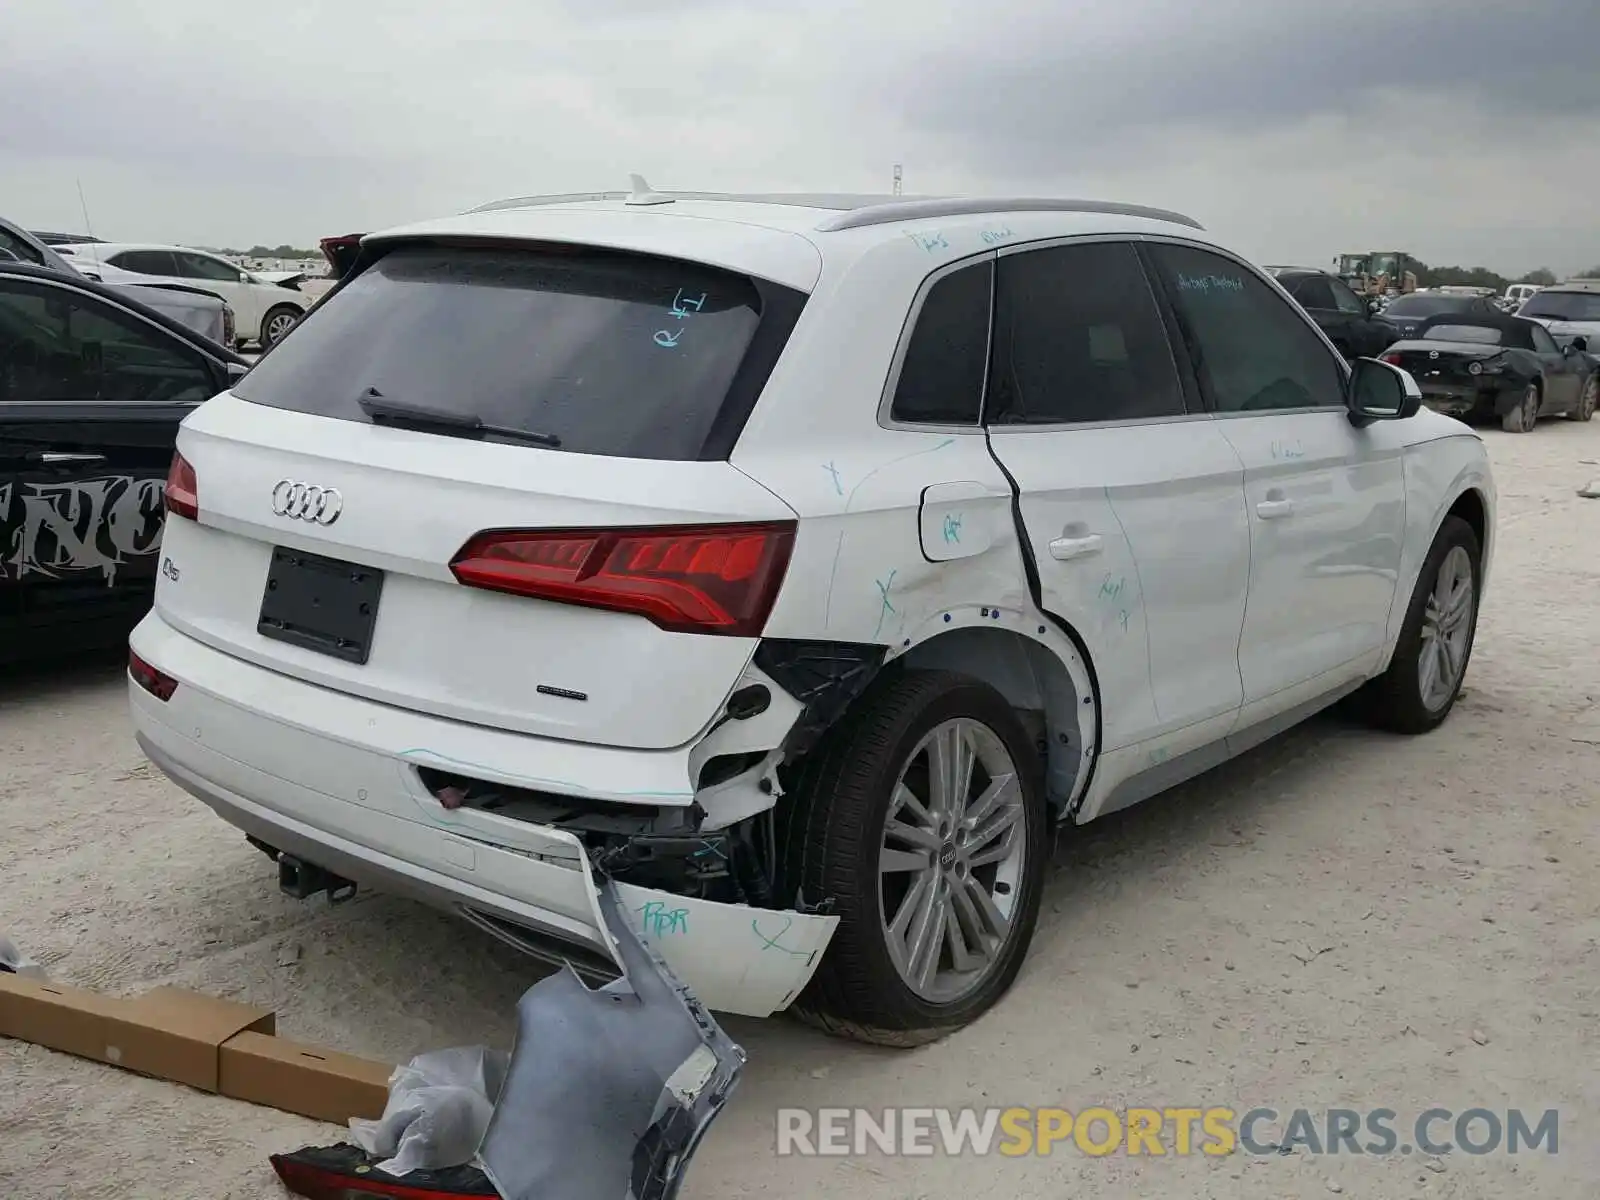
<point>215,1045</point>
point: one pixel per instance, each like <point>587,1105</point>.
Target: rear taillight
<point>1392,359</point>
<point>157,683</point>
<point>686,578</point>
<point>332,1173</point>
<point>183,489</point>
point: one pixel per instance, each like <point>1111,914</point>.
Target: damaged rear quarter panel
<point>736,958</point>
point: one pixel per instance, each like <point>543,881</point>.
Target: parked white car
<point>1568,310</point>
<point>264,308</point>
<point>192,307</point>
<point>1517,294</point>
<point>794,563</point>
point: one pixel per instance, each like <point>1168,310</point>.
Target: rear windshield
<point>600,352</point>
<point>1421,306</point>
<point>1482,335</point>
<point>1563,306</point>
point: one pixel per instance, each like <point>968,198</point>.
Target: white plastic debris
<point>14,961</point>
<point>439,1107</point>
<point>1592,492</point>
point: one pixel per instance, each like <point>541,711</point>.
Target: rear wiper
<point>393,412</point>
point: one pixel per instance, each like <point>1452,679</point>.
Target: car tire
<point>1525,415</point>
<point>1587,400</point>
<point>278,322</point>
<point>838,845</point>
<point>1401,699</point>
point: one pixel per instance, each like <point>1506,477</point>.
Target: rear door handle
<point>1065,548</point>
<point>1273,510</point>
<point>60,458</point>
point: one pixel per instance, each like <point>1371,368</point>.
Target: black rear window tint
<point>612,353</point>
<point>1422,306</point>
<point>941,379</point>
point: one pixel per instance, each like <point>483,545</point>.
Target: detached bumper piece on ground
<point>346,1172</point>
<point>607,1097</point>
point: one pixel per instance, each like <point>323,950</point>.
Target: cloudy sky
<point>1463,131</point>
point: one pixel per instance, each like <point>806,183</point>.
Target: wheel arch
<point>273,309</point>
<point>1057,698</point>
<point>1445,477</point>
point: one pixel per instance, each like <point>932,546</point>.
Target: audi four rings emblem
<point>306,502</point>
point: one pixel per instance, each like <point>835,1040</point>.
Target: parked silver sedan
<point>194,308</point>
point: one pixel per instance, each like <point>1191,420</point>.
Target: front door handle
<point>61,458</point>
<point>1275,509</point>
<point>1062,549</point>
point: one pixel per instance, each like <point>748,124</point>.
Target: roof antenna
<point>83,206</point>
<point>642,193</point>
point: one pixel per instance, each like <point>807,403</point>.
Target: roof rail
<point>839,201</point>
<point>960,206</point>
<point>859,211</point>
<point>558,198</point>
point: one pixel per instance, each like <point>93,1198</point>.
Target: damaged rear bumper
<point>607,1095</point>
<point>356,808</point>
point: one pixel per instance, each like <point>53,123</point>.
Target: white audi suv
<point>793,563</point>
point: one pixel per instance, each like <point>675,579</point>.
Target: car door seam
<point>1249,570</point>
<point>1133,556</point>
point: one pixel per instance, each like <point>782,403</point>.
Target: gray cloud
<point>1063,84</point>
<point>1298,128</point>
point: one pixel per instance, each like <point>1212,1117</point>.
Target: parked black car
<point>1408,313</point>
<point>1475,366</point>
<point>93,385</point>
<point>1351,323</point>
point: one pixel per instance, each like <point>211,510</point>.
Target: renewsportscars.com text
<point>1214,1131</point>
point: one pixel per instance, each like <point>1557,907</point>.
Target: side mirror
<point>1381,392</point>
<point>246,277</point>
<point>236,372</point>
<point>1373,308</point>
<point>1578,343</point>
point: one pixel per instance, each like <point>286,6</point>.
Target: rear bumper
<point>1459,400</point>
<point>316,775</point>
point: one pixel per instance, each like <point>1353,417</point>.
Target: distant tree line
<point>272,252</point>
<point>1483,277</point>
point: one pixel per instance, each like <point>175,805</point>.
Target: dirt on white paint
<point>1339,919</point>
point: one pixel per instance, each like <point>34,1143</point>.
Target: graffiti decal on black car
<point>59,530</point>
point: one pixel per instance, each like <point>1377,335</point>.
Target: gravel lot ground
<point>1338,919</point>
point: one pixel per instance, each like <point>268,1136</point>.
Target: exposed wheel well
<point>1470,508</point>
<point>1035,683</point>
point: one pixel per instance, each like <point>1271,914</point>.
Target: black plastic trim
<point>824,676</point>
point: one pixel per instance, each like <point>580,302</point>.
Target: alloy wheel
<point>951,860</point>
<point>1446,630</point>
<point>278,326</point>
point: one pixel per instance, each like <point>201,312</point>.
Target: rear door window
<point>1078,337</point>
<point>1313,292</point>
<point>601,352</point>
<point>1347,300</point>
<point>941,379</point>
<point>198,266</point>
<point>146,262</point>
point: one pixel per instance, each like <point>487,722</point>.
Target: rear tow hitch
<point>303,880</point>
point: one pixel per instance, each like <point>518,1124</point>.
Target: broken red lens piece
<point>157,683</point>
<point>346,1172</point>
